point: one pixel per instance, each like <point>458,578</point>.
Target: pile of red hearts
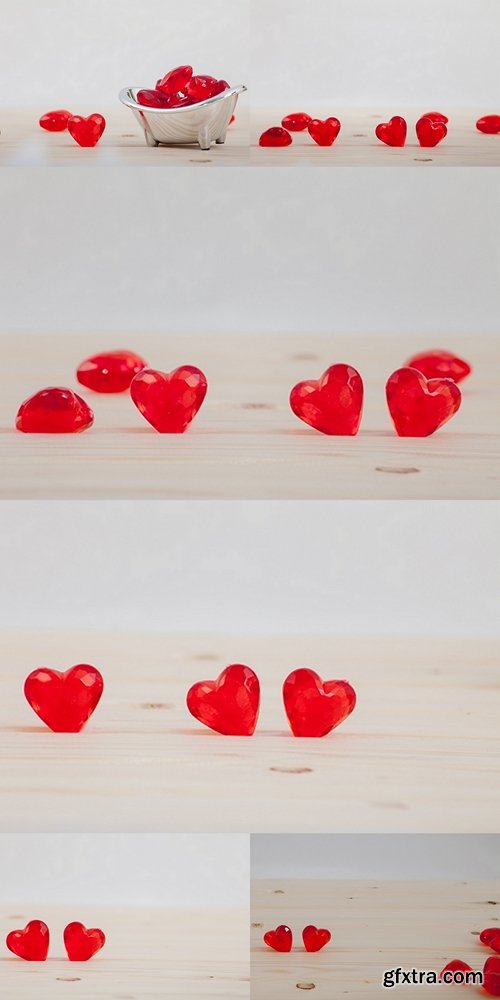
<point>85,131</point>
<point>323,131</point>
<point>180,88</point>
<point>491,971</point>
<point>430,128</point>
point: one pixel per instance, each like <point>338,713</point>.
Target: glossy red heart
<point>430,132</point>
<point>324,132</point>
<point>54,411</point>
<point>296,122</point>
<point>315,938</point>
<point>280,939</point>
<point>153,99</point>
<point>55,121</point>
<point>230,704</point>
<point>64,701</point>
<point>86,131</point>
<point>169,401</point>
<point>332,404</point>
<point>489,124</point>
<point>110,372</point>
<point>314,707</point>
<point>31,944</point>
<point>436,116</point>
<point>81,944</point>
<point>275,136</point>
<point>491,937</point>
<point>419,406</point>
<point>491,976</point>
<point>176,80</point>
<point>393,132</point>
<point>456,965</point>
<point>440,364</point>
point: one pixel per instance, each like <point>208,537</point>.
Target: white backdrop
<point>346,568</point>
<point>376,251</point>
<point>117,868</point>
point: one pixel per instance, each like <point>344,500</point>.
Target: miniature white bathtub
<point>202,123</point>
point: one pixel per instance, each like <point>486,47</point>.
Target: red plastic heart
<point>55,121</point>
<point>31,944</point>
<point>440,364</point>
<point>491,937</point>
<point>489,124</point>
<point>176,80</point>
<point>82,943</point>
<point>280,939</point>
<point>314,707</point>
<point>491,976</point>
<point>275,136</point>
<point>230,704</point>
<point>54,411</point>
<point>456,965</point>
<point>111,372</point>
<point>201,88</point>
<point>86,131</point>
<point>325,132</point>
<point>64,701</point>
<point>169,401</point>
<point>332,404</point>
<point>393,132</point>
<point>296,122</point>
<point>429,132</point>
<point>153,99</point>
<point>315,938</point>
<point>436,116</point>
<point>419,406</point>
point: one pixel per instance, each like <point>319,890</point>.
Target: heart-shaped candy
<point>393,132</point>
<point>296,122</point>
<point>314,707</point>
<point>169,401</point>
<point>419,406</point>
<point>491,976</point>
<point>86,131</point>
<point>280,939</point>
<point>153,99</point>
<point>275,136</point>
<point>55,121</point>
<point>456,965</point>
<point>82,943</point>
<point>32,943</point>
<point>324,132</point>
<point>430,132</point>
<point>440,364</point>
<point>315,938</point>
<point>230,704</point>
<point>332,404</point>
<point>176,80</point>
<point>489,124</point>
<point>64,701</point>
<point>111,372</point>
<point>54,411</point>
<point>436,116</point>
<point>491,937</point>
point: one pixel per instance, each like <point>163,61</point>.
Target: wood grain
<point>357,145</point>
<point>153,952</point>
<point>376,926</point>
<point>246,442</point>
<point>421,752</point>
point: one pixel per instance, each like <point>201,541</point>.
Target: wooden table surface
<point>245,442</point>
<point>24,143</point>
<point>376,926</point>
<point>150,953</point>
<point>358,146</point>
<point>421,752</point>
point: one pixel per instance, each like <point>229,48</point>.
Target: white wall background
<point>390,53</point>
<point>382,568</point>
<point>117,868</point>
<point>82,52</point>
<point>376,251</point>
<point>375,856</point>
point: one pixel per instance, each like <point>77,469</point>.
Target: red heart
<point>436,116</point>
<point>491,937</point>
<point>176,80</point>
<point>393,132</point>
<point>280,940</point>
<point>489,124</point>
<point>169,401</point>
<point>86,131</point>
<point>32,943</point>
<point>54,411</point>
<point>325,132</point>
<point>81,943</point>
<point>228,705</point>
<point>332,404</point>
<point>456,965</point>
<point>55,121</point>
<point>153,99</point>
<point>419,406</point>
<point>430,132</point>
<point>111,372</point>
<point>491,976</point>
<point>315,938</point>
<point>275,136</point>
<point>297,121</point>
<point>315,707</point>
<point>440,364</point>
<point>64,701</point>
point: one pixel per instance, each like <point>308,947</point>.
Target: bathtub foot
<point>221,140</point>
<point>150,141</point>
<point>204,138</point>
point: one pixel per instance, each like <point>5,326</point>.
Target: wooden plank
<point>421,752</point>
<point>357,145</point>
<point>153,952</point>
<point>376,926</point>
<point>246,443</point>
